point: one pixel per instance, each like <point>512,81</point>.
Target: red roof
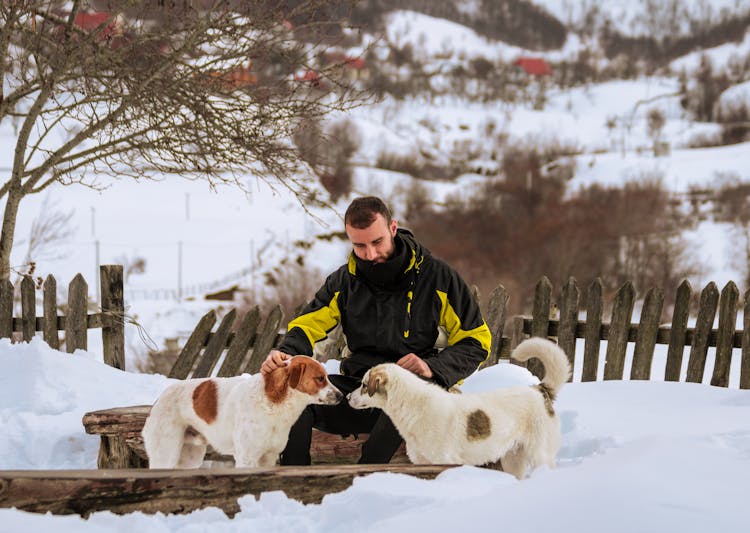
<point>534,66</point>
<point>354,63</point>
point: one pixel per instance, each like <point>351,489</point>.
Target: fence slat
<point>76,334</point>
<point>49,327</point>
<point>648,328</point>
<point>566,335</point>
<point>265,340</point>
<point>215,346</point>
<point>677,338</point>
<point>496,321</point>
<point>6,309</point>
<point>111,283</point>
<point>185,361</point>
<point>730,296</point>
<point>243,337</point>
<point>516,337</point>
<point>592,335</point>
<point>703,325</point>
<point>540,317</point>
<point>28,308</point>
<point>622,311</point>
<point>745,364</point>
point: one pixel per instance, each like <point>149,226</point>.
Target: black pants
<point>341,419</point>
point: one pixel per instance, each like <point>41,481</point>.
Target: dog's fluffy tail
<point>556,365</point>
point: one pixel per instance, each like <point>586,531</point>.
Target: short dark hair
<point>362,212</point>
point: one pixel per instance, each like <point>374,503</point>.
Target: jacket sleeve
<point>318,318</point>
<point>469,338</point>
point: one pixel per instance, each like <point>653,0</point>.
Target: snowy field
<point>636,456</point>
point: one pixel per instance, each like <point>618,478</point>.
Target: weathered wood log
<point>622,311</point>
<point>28,308</point>
<point>730,296</point>
<point>678,337</point>
<point>592,334</point>
<point>648,329</point>
<point>113,315</point>
<point>496,321</point>
<point>178,491</point>
<point>703,325</point>
<point>49,327</point>
<point>76,333</point>
<point>540,316</point>
<point>566,336</point>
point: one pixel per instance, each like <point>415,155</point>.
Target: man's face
<point>375,242</point>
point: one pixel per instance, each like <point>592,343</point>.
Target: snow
<point>635,456</point>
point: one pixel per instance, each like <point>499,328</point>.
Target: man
<point>390,299</point>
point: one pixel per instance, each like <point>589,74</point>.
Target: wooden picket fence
<point>76,323</point>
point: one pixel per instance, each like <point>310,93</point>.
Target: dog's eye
<point>320,379</point>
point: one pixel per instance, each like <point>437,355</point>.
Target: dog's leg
<point>163,441</point>
<point>193,450</point>
<point>515,461</point>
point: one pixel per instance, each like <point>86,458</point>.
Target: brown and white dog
<point>516,426</point>
<point>248,417</point>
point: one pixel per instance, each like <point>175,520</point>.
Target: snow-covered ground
<point>635,456</point>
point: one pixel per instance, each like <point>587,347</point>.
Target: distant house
<point>534,66</point>
<point>310,77</point>
<point>354,68</point>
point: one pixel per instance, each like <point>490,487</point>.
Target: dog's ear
<point>296,370</point>
<point>376,382</point>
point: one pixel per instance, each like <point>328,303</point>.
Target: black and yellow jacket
<point>392,309</point>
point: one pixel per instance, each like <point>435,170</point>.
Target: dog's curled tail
<point>556,365</point>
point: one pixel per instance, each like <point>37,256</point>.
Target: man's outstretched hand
<point>275,359</point>
<point>414,363</point>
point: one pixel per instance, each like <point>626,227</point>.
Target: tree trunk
<point>9,228</point>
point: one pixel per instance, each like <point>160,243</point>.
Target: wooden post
<point>76,332</point>
<point>496,321</point>
<point>28,308</point>
<point>730,296</point>
<point>702,332</point>
<point>540,320</point>
<point>619,330</point>
<point>113,315</point>
<point>516,337</point>
<point>6,309</point>
<point>592,331</point>
<point>216,345</point>
<point>49,328</point>
<point>678,333</point>
<point>648,328</point>
<point>566,332</point>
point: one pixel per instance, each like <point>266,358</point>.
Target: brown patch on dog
<point>276,384</point>
<point>376,382</point>
<point>206,401</point>
<point>478,425</point>
<point>549,397</point>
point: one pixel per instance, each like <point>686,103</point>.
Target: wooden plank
<point>678,337</point>
<point>540,316</point>
<point>622,311</point>
<point>566,333</point>
<point>49,325</point>
<point>213,351</point>
<point>592,332</point>
<point>6,309</point>
<point>113,315</point>
<point>496,321</point>
<point>76,335</point>
<point>178,491</point>
<point>240,345</point>
<point>93,321</point>
<point>28,308</point>
<point>266,340</point>
<point>703,325</point>
<point>648,328</point>
<point>185,361</point>
<point>745,363</point>
<point>730,296</point>
<point>517,336</point>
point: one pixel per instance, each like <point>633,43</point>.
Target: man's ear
<point>295,373</point>
<point>394,227</point>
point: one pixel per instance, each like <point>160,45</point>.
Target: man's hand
<point>414,363</point>
<point>274,360</point>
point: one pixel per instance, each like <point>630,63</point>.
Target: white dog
<point>516,426</point>
<point>248,417</point>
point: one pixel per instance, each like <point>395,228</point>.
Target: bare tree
<point>49,230</point>
<point>203,89</point>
